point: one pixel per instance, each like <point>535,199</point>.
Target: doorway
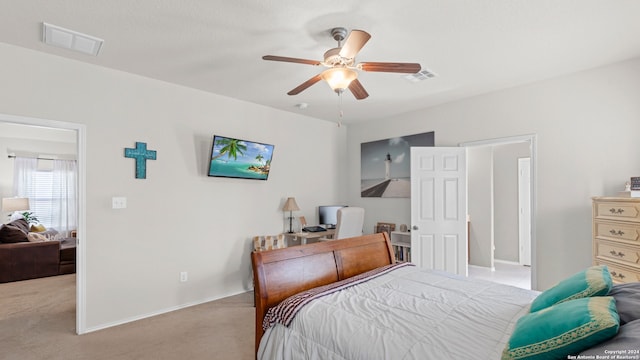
<point>80,131</point>
<point>494,198</point>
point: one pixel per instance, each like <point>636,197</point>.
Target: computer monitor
<point>328,215</point>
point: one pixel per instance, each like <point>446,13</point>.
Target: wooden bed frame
<point>281,273</point>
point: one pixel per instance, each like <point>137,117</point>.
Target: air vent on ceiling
<point>423,74</point>
<point>69,39</point>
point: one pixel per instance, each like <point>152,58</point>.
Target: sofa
<point>24,256</point>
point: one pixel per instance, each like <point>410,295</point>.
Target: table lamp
<point>290,206</point>
<point>11,205</point>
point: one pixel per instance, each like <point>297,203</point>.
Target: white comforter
<point>409,313</point>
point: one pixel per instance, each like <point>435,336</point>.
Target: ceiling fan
<point>342,73</point>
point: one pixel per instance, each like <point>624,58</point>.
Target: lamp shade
<point>290,205</point>
<point>339,78</point>
<point>15,204</point>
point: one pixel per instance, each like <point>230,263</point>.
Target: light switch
<point>119,202</point>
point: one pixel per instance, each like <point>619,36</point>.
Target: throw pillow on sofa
<point>22,224</point>
<point>36,237</point>
<point>37,228</point>
<point>14,232</point>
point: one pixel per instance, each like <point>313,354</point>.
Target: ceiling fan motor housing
<point>332,58</point>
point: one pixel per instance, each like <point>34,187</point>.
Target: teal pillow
<point>563,329</point>
<point>594,281</point>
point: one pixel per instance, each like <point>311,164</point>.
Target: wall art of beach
<point>240,159</point>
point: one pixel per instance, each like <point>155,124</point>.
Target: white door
<point>439,208</point>
<point>524,210</point>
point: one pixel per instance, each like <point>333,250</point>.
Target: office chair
<point>350,222</point>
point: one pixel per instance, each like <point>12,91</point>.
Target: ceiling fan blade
<point>305,85</point>
<point>409,68</point>
<point>290,59</point>
<point>354,43</point>
<point>358,90</point>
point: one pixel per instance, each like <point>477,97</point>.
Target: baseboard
<point>482,267</point>
<point>156,313</point>
<point>506,262</point>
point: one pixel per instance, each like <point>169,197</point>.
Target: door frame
<point>81,141</point>
<point>524,252</point>
<point>532,140</point>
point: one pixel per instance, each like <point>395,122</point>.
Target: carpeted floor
<point>37,321</point>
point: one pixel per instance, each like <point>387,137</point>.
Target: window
<point>51,188</point>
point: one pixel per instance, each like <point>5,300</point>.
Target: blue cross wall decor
<point>141,154</point>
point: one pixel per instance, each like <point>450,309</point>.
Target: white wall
<point>586,125</point>
<point>178,219</point>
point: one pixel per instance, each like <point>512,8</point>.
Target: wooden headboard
<point>281,273</point>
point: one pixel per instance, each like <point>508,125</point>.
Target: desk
<point>302,237</point>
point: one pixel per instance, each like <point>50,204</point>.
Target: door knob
<point>414,227</point>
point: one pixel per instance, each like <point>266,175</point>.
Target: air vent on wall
<point>69,39</point>
<point>423,74</point>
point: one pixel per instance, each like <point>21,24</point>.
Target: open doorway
<point>77,132</point>
<point>499,219</point>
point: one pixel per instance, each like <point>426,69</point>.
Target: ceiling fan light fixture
<point>339,78</point>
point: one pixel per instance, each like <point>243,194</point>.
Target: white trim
<point>500,141</point>
<point>533,148</point>
<point>81,306</point>
<point>492,269</point>
<point>507,262</point>
<point>524,256</point>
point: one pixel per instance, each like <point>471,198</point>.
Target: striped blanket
<point>284,312</point>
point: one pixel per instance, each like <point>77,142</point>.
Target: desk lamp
<point>290,206</point>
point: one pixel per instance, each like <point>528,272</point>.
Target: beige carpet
<point>37,321</point>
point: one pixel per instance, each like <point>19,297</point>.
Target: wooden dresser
<point>616,236</point>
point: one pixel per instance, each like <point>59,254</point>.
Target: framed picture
<point>385,227</point>
<point>385,166</point>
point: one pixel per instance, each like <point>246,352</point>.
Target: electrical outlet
<point>119,202</point>
<point>184,276</point>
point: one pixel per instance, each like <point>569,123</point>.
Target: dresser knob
<point>618,254</point>
<point>615,274</point>
<point>616,211</point>
<point>614,232</point>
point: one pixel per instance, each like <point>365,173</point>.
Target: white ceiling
<point>474,46</point>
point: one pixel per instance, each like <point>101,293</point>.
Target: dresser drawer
<point>618,252</point>
<point>620,273</point>
<point>617,210</point>
<point>617,231</point>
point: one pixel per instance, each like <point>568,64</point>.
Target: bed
<point>347,299</point>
